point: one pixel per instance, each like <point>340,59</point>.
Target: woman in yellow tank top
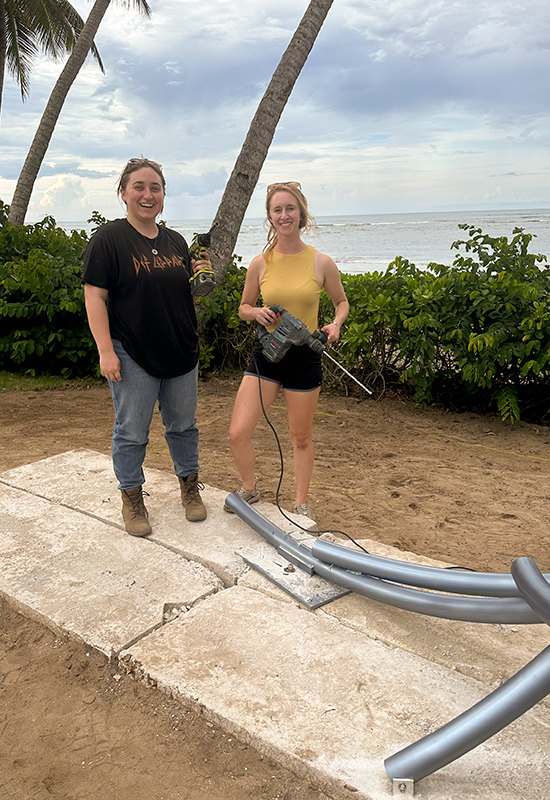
<point>292,274</point>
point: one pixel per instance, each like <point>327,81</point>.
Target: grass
<point>16,381</point>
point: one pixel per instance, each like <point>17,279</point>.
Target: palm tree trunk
<point>246,171</point>
<point>41,141</point>
<point>3,48</point>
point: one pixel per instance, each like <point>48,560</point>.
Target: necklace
<point>153,246</point>
<point>154,250</point>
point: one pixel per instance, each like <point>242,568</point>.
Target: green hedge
<point>43,325</point>
<point>472,335</point>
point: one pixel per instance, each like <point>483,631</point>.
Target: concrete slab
<point>489,653</point>
<point>83,480</point>
<point>89,579</point>
<point>328,701</point>
<point>331,694</point>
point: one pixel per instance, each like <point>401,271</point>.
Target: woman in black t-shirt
<point>142,317</point>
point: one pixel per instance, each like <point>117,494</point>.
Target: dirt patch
<point>458,487</point>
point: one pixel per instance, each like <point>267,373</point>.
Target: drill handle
<point>317,341</point>
<point>201,243</point>
<point>322,336</point>
<point>277,309</point>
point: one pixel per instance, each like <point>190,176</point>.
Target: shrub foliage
<point>43,324</point>
<point>472,335</point>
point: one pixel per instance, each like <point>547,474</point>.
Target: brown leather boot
<point>134,512</point>
<point>195,510</point>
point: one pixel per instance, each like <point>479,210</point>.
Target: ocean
<point>369,242</point>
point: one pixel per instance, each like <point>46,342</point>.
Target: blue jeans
<point>134,399</point>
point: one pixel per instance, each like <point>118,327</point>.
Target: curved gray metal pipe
<point>491,714</point>
<point>533,586</point>
<point>526,688</point>
<point>495,610</point>
<point>470,729</point>
<point>507,610</point>
<point>484,584</point>
<point>268,530</point>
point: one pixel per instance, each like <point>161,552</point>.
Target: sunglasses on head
<point>295,184</point>
<point>145,162</point>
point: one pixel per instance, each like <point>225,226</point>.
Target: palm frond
<point>33,26</point>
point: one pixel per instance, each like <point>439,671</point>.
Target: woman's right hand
<point>109,365</point>
<point>265,316</point>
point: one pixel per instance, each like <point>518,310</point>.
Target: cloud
<point>55,168</point>
<point>66,192</point>
<point>198,185</point>
<point>401,104</point>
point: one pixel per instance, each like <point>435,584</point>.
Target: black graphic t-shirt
<point>151,310</point>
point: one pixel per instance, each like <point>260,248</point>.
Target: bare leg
<point>246,414</point>
<point>301,409</point>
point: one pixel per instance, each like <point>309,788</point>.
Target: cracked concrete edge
<point>113,654</point>
<point>29,612</point>
<point>321,779</point>
<point>229,574</point>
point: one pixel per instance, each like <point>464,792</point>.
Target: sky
<point>403,106</point>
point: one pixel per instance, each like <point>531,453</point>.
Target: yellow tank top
<point>290,281</point>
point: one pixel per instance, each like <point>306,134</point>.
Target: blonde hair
<point>307,221</point>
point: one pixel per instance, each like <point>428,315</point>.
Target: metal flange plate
<point>311,591</point>
<point>403,787</point>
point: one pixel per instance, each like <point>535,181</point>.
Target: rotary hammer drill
<point>290,330</point>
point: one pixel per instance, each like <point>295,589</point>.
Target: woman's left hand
<point>201,263</point>
<point>332,331</point>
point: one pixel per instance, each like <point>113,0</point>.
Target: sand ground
<point>462,488</point>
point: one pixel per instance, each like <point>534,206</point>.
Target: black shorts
<point>299,370</point>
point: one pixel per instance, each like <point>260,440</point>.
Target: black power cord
<point>306,530</point>
<point>293,522</point>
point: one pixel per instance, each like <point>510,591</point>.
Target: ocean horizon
<point>370,242</point>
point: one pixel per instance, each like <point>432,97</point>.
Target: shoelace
<point>138,506</point>
<point>193,490</point>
